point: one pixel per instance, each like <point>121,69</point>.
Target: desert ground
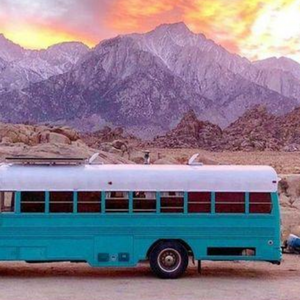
<point>218,280</point>
<point>282,162</point>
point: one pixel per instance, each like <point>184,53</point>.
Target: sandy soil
<point>283,162</point>
<point>219,280</point>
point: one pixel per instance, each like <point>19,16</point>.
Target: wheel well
<point>182,242</point>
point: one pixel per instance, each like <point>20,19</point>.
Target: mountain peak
<point>68,47</point>
<point>10,51</point>
<point>5,40</point>
<point>276,60</point>
<point>279,63</point>
<point>179,27</point>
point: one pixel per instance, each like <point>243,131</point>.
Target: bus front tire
<point>169,260</point>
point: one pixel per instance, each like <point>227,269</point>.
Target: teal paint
<point>185,203</point>
<point>17,202</point>
<point>75,202</point>
<point>213,202</point>
<point>158,202</point>
<point>130,202</point>
<point>103,202</point>
<point>87,236</point>
<point>47,202</point>
<point>247,203</point>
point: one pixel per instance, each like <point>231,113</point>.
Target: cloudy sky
<point>255,29</point>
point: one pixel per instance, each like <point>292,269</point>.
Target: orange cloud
<point>222,20</point>
<point>253,28</point>
<point>33,36</point>
<point>138,15</point>
<point>227,22</point>
<point>40,24</point>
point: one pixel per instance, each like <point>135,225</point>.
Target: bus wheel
<point>169,260</point>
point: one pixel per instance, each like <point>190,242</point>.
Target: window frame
<point>135,200</point>
<point>271,203</point>
<point>77,202</point>
<point>199,203</point>
<point>180,195</point>
<point>73,202</point>
<point>244,203</point>
<point>19,202</point>
<point>13,200</point>
<point>116,210</point>
<point>130,198</point>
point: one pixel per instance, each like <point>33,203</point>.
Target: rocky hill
<point>48,141</point>
<point>190,133</point>
<point>256,130</point>
<point>259,130</point>
<point>115,140</point>
<point>141,81</point>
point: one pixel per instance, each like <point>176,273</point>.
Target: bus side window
<point>144,202</point>
<point>7,201</point>
<point>32,202</point>
<point>230,202</point>
<point>61,202</point>
<point>260,203</point>
<point>199,202</point>
<point>89,202</point>
<point>171,202</point>
<point>117,202</point>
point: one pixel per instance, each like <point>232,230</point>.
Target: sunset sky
<point>255,29</point>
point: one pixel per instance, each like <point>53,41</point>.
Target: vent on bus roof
<point>24,160</point>
<point>192,161</point>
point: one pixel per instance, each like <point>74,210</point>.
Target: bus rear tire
<point>169,260</point>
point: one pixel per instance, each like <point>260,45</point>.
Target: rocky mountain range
<point>142,82</point>
<point>20,67</point>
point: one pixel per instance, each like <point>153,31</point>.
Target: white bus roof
<point>138,178</point>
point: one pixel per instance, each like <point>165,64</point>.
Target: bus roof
<point>138,178</point>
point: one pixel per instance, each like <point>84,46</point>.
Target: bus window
<point>171,202</point>
<point>89,202</point>
<point>230,202</point>
<point>144,202</point>
<point>7,201</point>
<point>260,203</point>
<point>199,202</point>
<point>61,202</point>
<point>117,202</point>
<point>32,202</point>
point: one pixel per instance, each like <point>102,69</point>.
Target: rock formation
<point>256,130</point>
<point>114,140</point>
<point>190,133</point>
<point>48,141</point>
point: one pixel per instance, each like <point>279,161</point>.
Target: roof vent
<point>93,158</point>
<point>192,162</point>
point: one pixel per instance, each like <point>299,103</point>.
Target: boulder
<point>70,133</point>
<point>53,137</point>
<point>33,135</point>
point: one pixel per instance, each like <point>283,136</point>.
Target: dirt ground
<point>282,162</point>
<point>219,280</point>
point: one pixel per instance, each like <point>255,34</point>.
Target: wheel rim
<point>169,260</point>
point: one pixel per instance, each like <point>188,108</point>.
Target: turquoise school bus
<point>119,215</point>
